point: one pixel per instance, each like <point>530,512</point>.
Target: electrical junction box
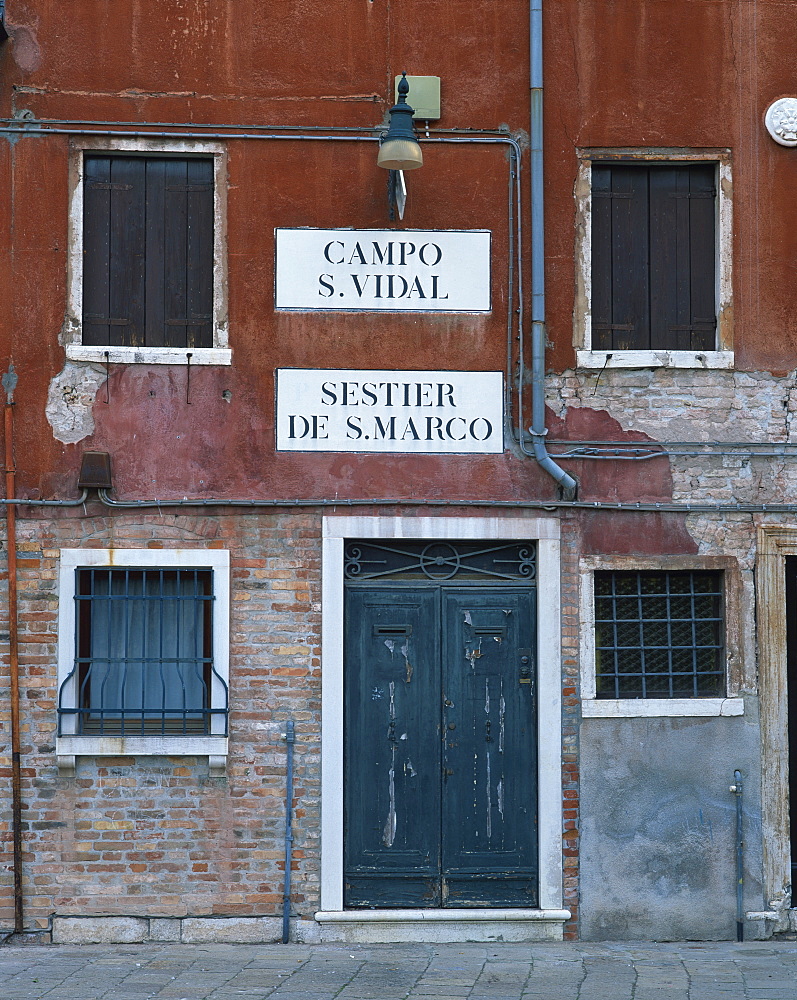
<point>424,96</point>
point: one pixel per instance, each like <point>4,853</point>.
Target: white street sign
<point>419,412</point>
<point>383,270</point>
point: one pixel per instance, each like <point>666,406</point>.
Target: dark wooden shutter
<point>148,252</point>
<point>703,256</point>
<point>113,249</point>
<point>682,212</point>
<point>620,264</point>
<point>653,257</point>
<point>199,253</point>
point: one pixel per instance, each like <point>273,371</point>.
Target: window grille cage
<point>143,663</point>
<point>659,634</point>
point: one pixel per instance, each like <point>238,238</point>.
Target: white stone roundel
<point>781,121</point>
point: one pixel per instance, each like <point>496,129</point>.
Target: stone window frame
<point>775,542</point>
<point>72,332</point>
<point>729,705</point>
<point>70,745</point>
<point>586,357</point>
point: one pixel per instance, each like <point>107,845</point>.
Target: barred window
<point>143,652</point>
<point>659,634</point>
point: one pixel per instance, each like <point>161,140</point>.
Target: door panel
<point>392,736</point>
<point>489,784</point>
<point>440,747</point>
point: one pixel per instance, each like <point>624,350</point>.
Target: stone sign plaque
<point>419,412</point>
<point>383,270</point>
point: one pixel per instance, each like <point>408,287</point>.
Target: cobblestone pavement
<point>725,971</point>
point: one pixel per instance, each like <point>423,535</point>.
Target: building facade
<point>469,490</point>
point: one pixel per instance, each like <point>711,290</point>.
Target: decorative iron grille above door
<point>441,561</point>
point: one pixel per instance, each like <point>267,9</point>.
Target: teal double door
<point>440,785</point>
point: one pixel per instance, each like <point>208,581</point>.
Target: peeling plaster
<point>70,401</point>
<point>26,51</point>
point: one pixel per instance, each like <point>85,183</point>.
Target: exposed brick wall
<point>158,836</point>
<point>696,405</point>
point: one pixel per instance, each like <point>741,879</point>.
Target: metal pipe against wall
<point>290,739</point>
<point>538,429</point>
<point>650,507</point>
<point>737,790</point>
<point>9,383</point>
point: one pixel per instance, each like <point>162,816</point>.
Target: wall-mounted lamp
<point>399,149</point>
<point>95,470</point>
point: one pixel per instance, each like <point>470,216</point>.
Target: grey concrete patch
<point>658,835</point>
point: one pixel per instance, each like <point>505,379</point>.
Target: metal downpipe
<point>9,384</point>
<point>538,430</point>
<point>290,740</point>
<point>737,789</point>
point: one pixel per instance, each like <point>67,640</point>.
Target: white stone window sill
<point>150,355</point>
<point>654,359</point>
<point>67,748</point>
<point>632,708</point>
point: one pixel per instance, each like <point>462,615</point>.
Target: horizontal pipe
<point>457,138</point>
<point>8,502</point>
<point>685,507</point>
<point>696,445</point>
<point>43,124</point>
<point>645,507</point>
<point>608,455</point>
<point>22,123</point>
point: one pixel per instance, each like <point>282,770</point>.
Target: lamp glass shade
<point>400,154</point>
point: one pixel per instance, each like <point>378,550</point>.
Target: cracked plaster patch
<point>70,401</point>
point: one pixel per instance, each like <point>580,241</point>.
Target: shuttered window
<point>148,251</point>
<point>653,257</point>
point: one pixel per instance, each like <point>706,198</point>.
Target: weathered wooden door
<point>439,736</point>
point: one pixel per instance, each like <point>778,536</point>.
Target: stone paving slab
<point>622,971</point>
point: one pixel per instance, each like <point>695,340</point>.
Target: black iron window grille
<point>441,561</point>
<point>144,653</point>
<point>659,635</point>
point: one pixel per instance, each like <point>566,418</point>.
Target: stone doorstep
<point>441,926</point>
<point>368,928</point>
